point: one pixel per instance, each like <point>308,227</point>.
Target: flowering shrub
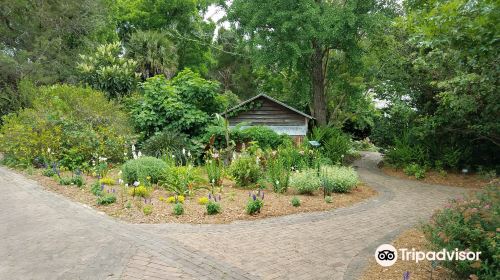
<point>175,199</point>
<point>178,209</point>
<point>140,191</point>
<point>338,179</point>
<point>141,168</point>
<point>245,170</point>
<point>215,169</point>
<point>255,203</point>
<point>470,224</point>
<point>180,180</point>
<point>107,181</point>
<point>203,200</point>
<point>66,124</point>
<point>306,181</point>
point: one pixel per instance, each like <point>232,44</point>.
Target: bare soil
<point>233,202</point>
<point>450,179</point>
<point>412,238</point>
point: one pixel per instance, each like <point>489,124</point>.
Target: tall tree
<point>302,36</point>
<point>181,20</point>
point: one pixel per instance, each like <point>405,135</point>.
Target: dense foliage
<point>306,181</point>
<point>185,104</point>
<point>72,126</point>
<point>143,169</point>
<point>471,224</point>
<point>338,179</point>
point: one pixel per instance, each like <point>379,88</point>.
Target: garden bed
<point>411,238</point>
<point>233,202</point>
<point>433,177</point>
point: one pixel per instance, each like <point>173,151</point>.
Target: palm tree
<point>154,52</point>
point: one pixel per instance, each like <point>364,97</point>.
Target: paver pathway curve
<point>45,236</point>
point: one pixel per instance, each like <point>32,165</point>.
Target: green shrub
<point>338,179</point>
<point>328,199</point>
<point>49,172</point>
<point>96,189</point>
<point>180,180</point>
<point>106,199</point>
<point>141,168</point>
<point>66,124</point>
<point>278,173</point>
<point>264,136</point>
<point>254,205</point>
<point>78,181</point>
<point>147,209</point>
<point>245,170</point>
<point>295,201</point>
<point>65,181</point>
<point>213,208</point>
<point>306,181</point>
<point>469,224</point>
<point>415,170</point>
<point>405,152</point>
<point>178,209</point>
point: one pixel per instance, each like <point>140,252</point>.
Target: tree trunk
<point>318,85</point>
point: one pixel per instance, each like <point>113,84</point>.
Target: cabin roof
<point>271,99</point>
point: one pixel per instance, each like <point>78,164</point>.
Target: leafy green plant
<point>78,180</point>
<point>278,173</point>
<point>164,143</point>
<point>334,143</point>
<point>215,170</point>
<point>213,208</point>
<point>96,188</point>
<point>180,180</point>
<point>245,170</point>
<point>338,179</point>
<point>306,181</point>
<point>147,209</point>
<point>264,136</point>
<point>328,199</point>
<point>415,170</point>
<point>470,224</point>
<point>106,199</point>
<point>49,172</point>
<point>138,170</point>
<point>178,209</point>
<point>295,201</point>
<point>254,205</point>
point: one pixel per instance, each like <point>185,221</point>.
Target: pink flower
<point>216,156</point>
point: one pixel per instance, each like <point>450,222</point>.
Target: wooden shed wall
<point>269,114</point>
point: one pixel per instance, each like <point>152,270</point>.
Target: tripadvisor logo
<point>387,255</point>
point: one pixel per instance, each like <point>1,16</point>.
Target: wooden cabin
<point>267,111</point>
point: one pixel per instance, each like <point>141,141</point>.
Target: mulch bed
<point>233,203</point>
<point>451,179</point>
<point>412,238</point>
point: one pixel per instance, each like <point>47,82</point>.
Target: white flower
<point>48,150</point>
<point>120,181</point>
<point>183,151</point>
<point>133,148</point>
<point>93,162</point>
<point>216,156</point>
<point>137,183</point>
<point>139,154</point>
<point>173,156</point>
<point>126,185</point>
<point>213,181</point>
<point>120,172</point>
<point>277,182</point>
<point>103,159</point>
<point>189,154</point>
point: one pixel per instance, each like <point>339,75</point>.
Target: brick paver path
<point>45,236</point>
